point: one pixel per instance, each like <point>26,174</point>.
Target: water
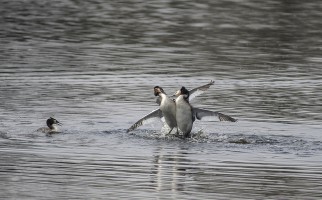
<point>93,65</point>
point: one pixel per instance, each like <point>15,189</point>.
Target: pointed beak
<point>58,123</point>
<point>157,91</point>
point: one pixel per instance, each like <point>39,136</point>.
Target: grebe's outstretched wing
<point>201,113</point>
<point>199,90</point>
<point>194,92</point>
<point>146,119</point>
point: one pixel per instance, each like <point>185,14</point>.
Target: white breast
<point>183,115</point>
<point>168,108</point>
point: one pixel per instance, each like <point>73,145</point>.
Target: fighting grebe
<point>186,114</point>
<point>167,107</point>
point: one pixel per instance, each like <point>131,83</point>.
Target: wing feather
<point>154,114</point>
<point>201,113</point>
<point>199,90</point>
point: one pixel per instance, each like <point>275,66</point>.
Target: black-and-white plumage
<point>51,126</point>
<point>194,92</point>
<point>167,107</point>
<point>186,114</point>
<point>167,110</point>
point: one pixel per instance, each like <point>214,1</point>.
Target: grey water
<point>93,65</point>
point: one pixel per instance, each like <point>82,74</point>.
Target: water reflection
<point>169,170</point>
<point>179,171</point>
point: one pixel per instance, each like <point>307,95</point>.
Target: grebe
<point>186,114</point>
<point>51,123</point>
<point>167,107</point>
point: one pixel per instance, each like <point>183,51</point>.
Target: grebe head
<point>158,90</point>
<point>183,91</point>
<point>52,121</point>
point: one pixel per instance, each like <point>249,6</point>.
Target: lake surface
<point>93,65</point>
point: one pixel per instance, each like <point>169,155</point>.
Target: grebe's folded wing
<point>201,113</point>
<point>146,119</point>
<point>43,129</point>
<point>199,90</point>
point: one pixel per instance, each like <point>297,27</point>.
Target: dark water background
<point>93,64</point>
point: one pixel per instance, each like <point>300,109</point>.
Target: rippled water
<point>93,65</point>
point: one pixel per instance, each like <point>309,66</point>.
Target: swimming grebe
<point>51,123</point>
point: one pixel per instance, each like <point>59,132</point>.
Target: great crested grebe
<point>167,107</point>
<point>186,114</point>
<point>52,126</point>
